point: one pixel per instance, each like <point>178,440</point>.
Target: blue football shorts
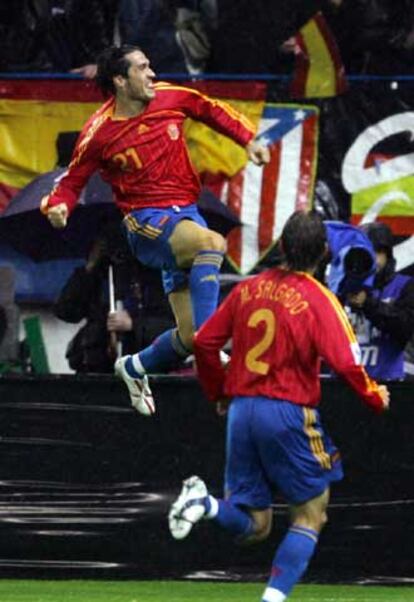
<point>148,232</point>
<point>277,446</point>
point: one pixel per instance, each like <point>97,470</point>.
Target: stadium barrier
<point>86,483</point>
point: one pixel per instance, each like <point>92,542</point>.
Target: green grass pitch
<point>178,591</point>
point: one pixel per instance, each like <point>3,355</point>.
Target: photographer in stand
<point>383,315</point>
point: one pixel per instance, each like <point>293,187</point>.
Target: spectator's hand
<point>385,396</point>
<point>258,153</point>
<point>88,71</point>
<point>222,406</point>
<point>357,300</point>
<point>57,215</point>
<point>291,46</point>
<point>119,321</point>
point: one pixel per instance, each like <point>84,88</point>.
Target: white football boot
<point>188,508</point>
<point>139,389</point>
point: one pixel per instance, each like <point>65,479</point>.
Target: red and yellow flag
<point>34,112</point>
<point>319,71</point>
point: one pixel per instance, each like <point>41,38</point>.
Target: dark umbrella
<point>217,215</point>
<point>24,227</point>
<point>27,230</point>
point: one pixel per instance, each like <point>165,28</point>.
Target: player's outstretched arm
<point>57,215</point>
<point>258,153</point>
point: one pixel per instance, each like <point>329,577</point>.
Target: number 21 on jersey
<point>129,160</point>
<point>252,361</point>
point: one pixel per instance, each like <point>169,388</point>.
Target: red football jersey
<point>281,323</point>
<point>145,158</point>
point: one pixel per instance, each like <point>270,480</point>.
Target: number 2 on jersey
<point>252,361</point>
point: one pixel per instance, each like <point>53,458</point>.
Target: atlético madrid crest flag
<point>264,197</point>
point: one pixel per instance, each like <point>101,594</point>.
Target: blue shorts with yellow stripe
<point>277,446</point>
<point>148,232</point>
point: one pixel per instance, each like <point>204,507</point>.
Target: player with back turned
<point>281,323</point>
<point>136,141</point>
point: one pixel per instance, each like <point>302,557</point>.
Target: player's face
<point>140,82</point>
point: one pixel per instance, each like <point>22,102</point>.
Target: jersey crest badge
<point>173,131</point>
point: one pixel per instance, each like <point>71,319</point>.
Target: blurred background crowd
<point>213,36</point>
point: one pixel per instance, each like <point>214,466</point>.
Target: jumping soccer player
<point>280,322</point>
<point>136,141</point>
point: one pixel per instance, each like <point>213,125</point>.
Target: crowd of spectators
<point>191,36</point>
<point>68,35</point>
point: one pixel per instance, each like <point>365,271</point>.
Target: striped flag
<point>264,197</point>
<point>319,71</point>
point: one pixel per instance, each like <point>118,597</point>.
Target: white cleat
<point>188,508</point>
<point>139,389</point>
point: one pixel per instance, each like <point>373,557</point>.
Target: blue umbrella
<point>37,281</point>
<point>29,232</point>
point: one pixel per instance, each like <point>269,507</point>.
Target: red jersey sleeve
<point>85,161</point>
<point>218,115</point>
<point>337,344</point>
<point>208,342</point>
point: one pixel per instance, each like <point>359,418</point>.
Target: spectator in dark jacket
<point>141,312</point>
<point>149,24</point>
<point>92,27</point>
<point>24,28</point>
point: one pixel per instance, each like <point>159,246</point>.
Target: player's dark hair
<point>112,62</point>
<point>303,240</point>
